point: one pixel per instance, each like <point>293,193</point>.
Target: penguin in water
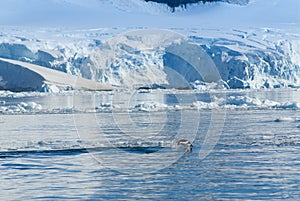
<point>185,143</point>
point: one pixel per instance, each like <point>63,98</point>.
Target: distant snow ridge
<point>176,3</point>
<point>132,5</point>
<point>240,2</point>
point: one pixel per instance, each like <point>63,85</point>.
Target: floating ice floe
<point>231,102</point>
<point>242,101</point>
<point>287,105</point>
<point>287,119</point>
<point>50,88</point>
<point>204,105</point>
<point>107,107</point>
<point>21,107</point>
<point>239,102</point>
<point>150,107</point>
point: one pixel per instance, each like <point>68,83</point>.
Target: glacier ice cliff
<point>260,58</point>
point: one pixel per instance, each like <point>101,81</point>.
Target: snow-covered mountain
<point>251,46</point>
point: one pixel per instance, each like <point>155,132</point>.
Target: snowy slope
<point>21,76</point>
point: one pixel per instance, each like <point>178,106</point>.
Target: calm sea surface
<point>113,146</point>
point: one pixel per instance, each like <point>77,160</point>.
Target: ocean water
<point>122,146</point>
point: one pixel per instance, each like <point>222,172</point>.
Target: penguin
<point>186,143</point>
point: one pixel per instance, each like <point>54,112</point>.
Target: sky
<point>136,13</point>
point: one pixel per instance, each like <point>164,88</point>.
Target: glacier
<point>257,58</point>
